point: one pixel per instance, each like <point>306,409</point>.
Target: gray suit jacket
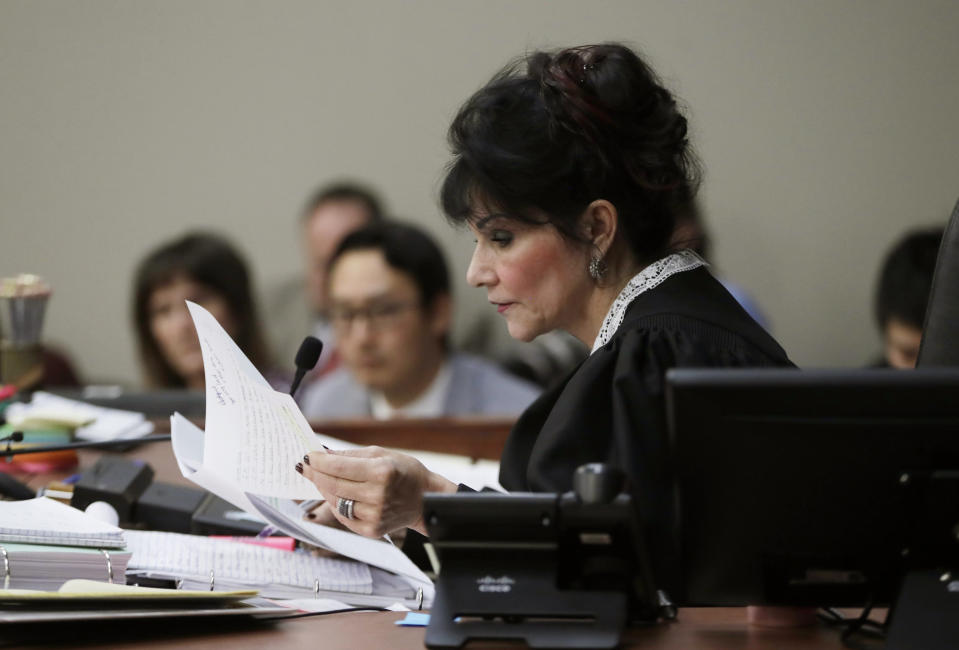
<point>477,387</point>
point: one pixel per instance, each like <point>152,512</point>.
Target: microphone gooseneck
<point>84,444</point>
<point>16,436</point>
<point>306,359</point>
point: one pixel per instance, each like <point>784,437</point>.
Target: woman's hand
<point>386,487</point>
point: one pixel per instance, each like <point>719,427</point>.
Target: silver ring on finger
<point>345,507</point>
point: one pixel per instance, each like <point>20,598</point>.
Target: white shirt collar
<point>430,404</point>
<point>649,278</point>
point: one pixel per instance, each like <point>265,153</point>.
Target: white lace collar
<point>648,278</point>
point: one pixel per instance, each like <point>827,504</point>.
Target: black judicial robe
<point>611,409</point>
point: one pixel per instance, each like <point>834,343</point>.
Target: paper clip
<point>6,568</point>
<point>109,566</point>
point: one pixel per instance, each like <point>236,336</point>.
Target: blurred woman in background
<point>205,269</point>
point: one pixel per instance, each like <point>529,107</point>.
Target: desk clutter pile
<point>60,563</point>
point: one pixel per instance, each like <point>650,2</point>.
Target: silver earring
<point>597,267</point>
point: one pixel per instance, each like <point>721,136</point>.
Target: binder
<point>90,603</point>
<point>47,567</point>
<point>201,563</point>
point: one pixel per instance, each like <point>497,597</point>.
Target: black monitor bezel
<point>754,453</point>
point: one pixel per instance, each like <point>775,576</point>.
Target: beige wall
<point>825,127</point>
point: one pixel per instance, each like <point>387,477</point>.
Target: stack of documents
<point>45,567</point>
<point>254,437</point>
<point>84,600</point>
<point>44,543</point>
<point>94,423</point>
<point>45,521</point>
<point>216,564</point>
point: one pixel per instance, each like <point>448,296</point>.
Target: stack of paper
<point>45,567</point>
<point>91,422</point>
<point>44,543</point>
<point>254,437</point>
<point>218,564</point>
<point>84,600</point>
<point>45,521</point>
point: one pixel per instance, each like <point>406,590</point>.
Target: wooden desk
<point>697,629</point>
<point>707,629</point>
<point>476,437</point>
<point>159,455</point>
<point>479,437</point>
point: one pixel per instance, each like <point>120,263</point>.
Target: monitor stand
<point>926,613</point>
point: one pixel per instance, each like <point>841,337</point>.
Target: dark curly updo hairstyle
<point>554,131</point>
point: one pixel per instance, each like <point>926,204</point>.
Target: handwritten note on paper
<point>254,435</point>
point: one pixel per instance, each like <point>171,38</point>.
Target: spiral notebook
<point>45,521</point>
<point>198,562</point>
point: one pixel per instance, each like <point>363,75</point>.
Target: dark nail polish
<point>326,448</point>
<point>306,459</point>
<point>311,516</point>
<point>299,467</point>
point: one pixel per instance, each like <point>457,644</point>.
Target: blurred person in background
<point>390,308</point>
<point>691,232</point>
<point>299,306</point>
<point>905,279</point>
<point>205,269</point>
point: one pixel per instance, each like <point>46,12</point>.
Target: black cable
<point>87,444</point>
<point>334,611</point>
<point>861,625</point>
<point>833,617</point>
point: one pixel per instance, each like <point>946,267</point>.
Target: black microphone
<point>306,358</point>
<point>16,436</point>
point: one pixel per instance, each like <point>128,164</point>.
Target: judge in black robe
<point>569,173</point>
<point>611,409</point>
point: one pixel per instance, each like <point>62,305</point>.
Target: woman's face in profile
<point>533,276</point>
<point>173,329</point>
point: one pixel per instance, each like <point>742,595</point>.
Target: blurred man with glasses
<point>390,309</point>
<point>299,305</point>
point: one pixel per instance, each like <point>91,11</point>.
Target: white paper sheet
<point>45,521</point>
<point>254,435</point>
<point>193,557</point>
<point>254,438</point>
<point>375,552</point>
<point>102,423</point>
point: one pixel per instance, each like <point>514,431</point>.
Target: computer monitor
<point>811,487</point>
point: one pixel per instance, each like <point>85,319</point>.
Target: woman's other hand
<point>386,487</point>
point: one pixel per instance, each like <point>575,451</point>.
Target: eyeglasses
<point>377,316</point>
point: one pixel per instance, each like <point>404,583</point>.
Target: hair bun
<point>556,130</point>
